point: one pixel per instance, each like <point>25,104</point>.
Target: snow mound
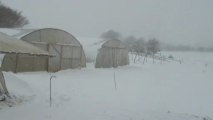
<point>18,89</point>
<point>17,86</point>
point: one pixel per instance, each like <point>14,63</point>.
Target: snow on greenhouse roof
<point>10,44</point>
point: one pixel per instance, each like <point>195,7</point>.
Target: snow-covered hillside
<point>159,91</point>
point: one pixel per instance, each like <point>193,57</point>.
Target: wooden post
<point>72,57</point>
<point>16,63</point>
<point>61,55</point>
<point>81,62</point>
<point>51,89</point>
<point>153,57</point>
<point>115,82</point>
<point>48,49</point>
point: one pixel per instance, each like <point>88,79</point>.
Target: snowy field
<point>159,91</point>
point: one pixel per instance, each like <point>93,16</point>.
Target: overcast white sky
<point>172,21</point>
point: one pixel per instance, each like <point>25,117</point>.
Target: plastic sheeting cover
<point>12,45</point>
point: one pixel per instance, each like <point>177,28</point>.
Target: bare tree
<point>153,47</point>
<point>139,48</point>
<point>136,46</point>
<point>140,45</point>
<point>110,34</point>
<point>130,42</point>
<point>10,18</point>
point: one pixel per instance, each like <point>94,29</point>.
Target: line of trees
<point>152,46</point>
<point>138,45</point>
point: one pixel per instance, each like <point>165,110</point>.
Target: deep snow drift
<point>159,91</point>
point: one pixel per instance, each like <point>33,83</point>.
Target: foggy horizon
<point>173,22</point>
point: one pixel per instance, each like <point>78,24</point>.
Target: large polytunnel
<point>68,50</point>
<point>11,45</point>
<point>113,53</point>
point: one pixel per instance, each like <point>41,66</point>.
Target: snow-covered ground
<point>159,91</point>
